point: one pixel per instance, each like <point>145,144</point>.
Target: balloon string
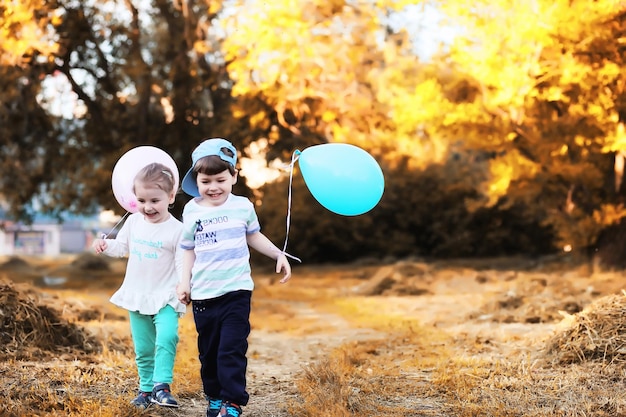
<point>105,236</point>
<point>294,158</point>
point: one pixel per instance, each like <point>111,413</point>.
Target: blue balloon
<point>342,177</point>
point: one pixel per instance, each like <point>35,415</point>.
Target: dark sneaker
<point>215,405</point>
<point>230,409</point>
<point>143,400</point>
<point>161,395</point>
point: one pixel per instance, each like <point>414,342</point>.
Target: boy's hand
<point>282,265</point>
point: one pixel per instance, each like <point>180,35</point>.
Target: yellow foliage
<point>561,151</point>
<point>609,214</point>
<point>21,32</point>
<point>505,62</point>
<point>259,118</point>
<point>238,113</point>
<point>555,93</point>
<point>615,140</point>
<point>508,60</point>
<point>201,47</point>
<point>328,116</point>
<point>292,52</point>
<point>505,169</point>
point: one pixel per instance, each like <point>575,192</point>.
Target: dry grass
<point>31,329</point>
<point>596,333</point>
<point>422,371</point>
<point>474,343</point>
<point>67,351</point>
<point>403,376</point>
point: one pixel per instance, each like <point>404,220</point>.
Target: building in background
<point>46,236</point>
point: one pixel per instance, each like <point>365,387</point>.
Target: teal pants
<point>155,338</point>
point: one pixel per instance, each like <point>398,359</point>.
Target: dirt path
<point>484,315</point>
<point>275,359</point>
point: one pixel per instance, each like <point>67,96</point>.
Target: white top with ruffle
<point>154,264</point>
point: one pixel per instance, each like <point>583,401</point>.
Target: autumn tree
<point>502,130</point>
<point>537,105</point>
<point>134,73</point>
<point>548,104</point>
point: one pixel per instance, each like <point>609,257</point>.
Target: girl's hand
<point>99,245</point>
<point>183,293</point>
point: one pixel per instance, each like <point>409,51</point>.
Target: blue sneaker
<point>230,409</point>
<point>214,407</point>
<point>143,400</point>
<point>162,396</point>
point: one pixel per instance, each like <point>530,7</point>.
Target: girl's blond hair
<point>158,175</point>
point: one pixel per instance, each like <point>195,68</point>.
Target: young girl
<point>218,228</point>
<point>150,239</point>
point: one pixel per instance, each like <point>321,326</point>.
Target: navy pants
<point>223,326</point>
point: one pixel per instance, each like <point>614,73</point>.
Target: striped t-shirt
<point>217,235</point>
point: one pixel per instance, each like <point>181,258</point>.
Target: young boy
<point>218,228</point>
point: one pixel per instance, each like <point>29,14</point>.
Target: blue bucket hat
<point>210,147</point>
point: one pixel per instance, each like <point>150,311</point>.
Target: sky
<point>426,27</point>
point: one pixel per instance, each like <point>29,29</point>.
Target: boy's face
<point>153,202</point>
<point>215,189</point>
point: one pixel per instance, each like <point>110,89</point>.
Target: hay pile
<point>90,262</point>
<point>14,262</point>
<point>533,298</point>
<point>402,278</point>
<point>30,329</point>
<point>598,333</point>
<point>21,270</point>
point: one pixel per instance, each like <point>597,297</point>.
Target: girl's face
<point>215,189</point>
<point>153,202</point>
